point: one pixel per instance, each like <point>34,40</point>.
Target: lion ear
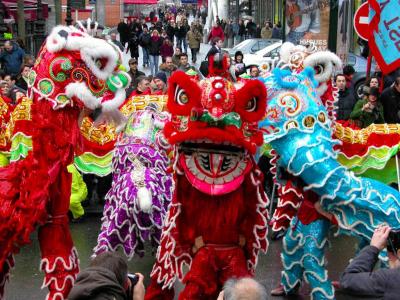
<point>57,39</point>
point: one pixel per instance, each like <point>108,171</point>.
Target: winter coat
<point>97,283</point>
<point>133,46</point>
<point>180,32</point>
<point>367,118</point>
<point>229,33</point>
<point>266,33</point>
<point>144,40</point>
<point>345,104</point>
<point>170,32</point>
<point>359,278</point>
<point>11,62</point>
<point>194,39</point>
<point>390,99</point>
<point>155,45</point>
<point>123,30</point>
<point>216,32</point>
<point>166,50</point>
<point>242,29</point>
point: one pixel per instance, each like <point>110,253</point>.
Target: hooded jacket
<point>97,283</point>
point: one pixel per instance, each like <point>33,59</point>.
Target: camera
<point>393,243</point>
<point>134,280</point>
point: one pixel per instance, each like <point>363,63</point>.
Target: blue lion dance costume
<point>299,130</point>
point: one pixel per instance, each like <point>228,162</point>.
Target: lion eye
<point>180,96</point>
<point>319,69</point>
<point>251,105</point>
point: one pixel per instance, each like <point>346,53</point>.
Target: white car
<point>264,57</point>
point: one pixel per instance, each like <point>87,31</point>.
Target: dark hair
<point>368,81</point>
<point>113,262</point>
<point>183,55</point>
<point>397,81</point>
<point>239,53</point>
<point>12,77</point>
<point>348,70</point>
<point>2,73</point>
<point>340,74</point>
<point>374,91</point>
<point>141,78</point>
<point>215,40</point>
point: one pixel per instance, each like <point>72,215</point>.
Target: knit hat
<point>161,76</point>
<point>374,91</point>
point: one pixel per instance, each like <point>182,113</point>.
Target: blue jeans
<point>154,64</point>
<point>145,56</point>
<point>182,43</point>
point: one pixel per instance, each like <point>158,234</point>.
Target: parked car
<point>250,46</point>
<point>264,56</point>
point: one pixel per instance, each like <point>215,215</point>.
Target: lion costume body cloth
<point>73,72</point>
<point>217,221</point>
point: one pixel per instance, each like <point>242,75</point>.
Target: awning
<point>30,9</point>
<point>140,1</point>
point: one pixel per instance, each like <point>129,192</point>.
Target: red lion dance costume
<point>73,72</point>
<point>217,221</point>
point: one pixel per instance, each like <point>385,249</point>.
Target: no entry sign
<point>361,21</point>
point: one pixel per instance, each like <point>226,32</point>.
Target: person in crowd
<point>142,88</point>
<point>240,67</point>
<point>176,56</point>
<point>22,78</point>
<point>184,63</point>
<point>164,35</point>
<point>310,21</point>
<point>168,67</point>
<point>251,29</point>
<point>15,92</point>
<point>159,84</point>
<point>194,38</point>
<point>390,99</point>
<point>154,51</point>
<point>217,44</point>
<point>241,31</point>
<point>136,28</point>
<point>123,30</point>
<point>197,26</point>
<point>144,42</point>
<point>11,58</point>
<point>277,31</point>
<point>135,74</point>
<point>360,279</point>
<point>229,34</point>
<point>243,288</point>
<point>266,31</point>
<point>113,39</point>
<point>133,46</point>
<point>258,32</point>
<point>368,111</point>
<point>373,82</point>
<point>180,33</point>
<point>216,32</point>
<point>254,72</point>
<point>21,44</point>
<point>170,29</point>
<point>348,72</point>
<point>29,60</point>
<point>167,49</point>
<point>107,278</point>
<point>346,99</point>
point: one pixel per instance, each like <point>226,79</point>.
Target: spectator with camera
<point>369,110</point>
<point>360,279</point>
<point>107,278</point>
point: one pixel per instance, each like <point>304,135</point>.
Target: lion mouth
<point>213,168</point>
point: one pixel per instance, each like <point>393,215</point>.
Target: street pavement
<point>26,279</point>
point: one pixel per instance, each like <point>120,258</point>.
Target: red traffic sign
<point>361,21</point>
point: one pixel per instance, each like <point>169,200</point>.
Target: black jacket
<point>345,104</point>
<point>155,46</point>
<point>390,99</point>
<point>359,278</point>
<point>97,283</point>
